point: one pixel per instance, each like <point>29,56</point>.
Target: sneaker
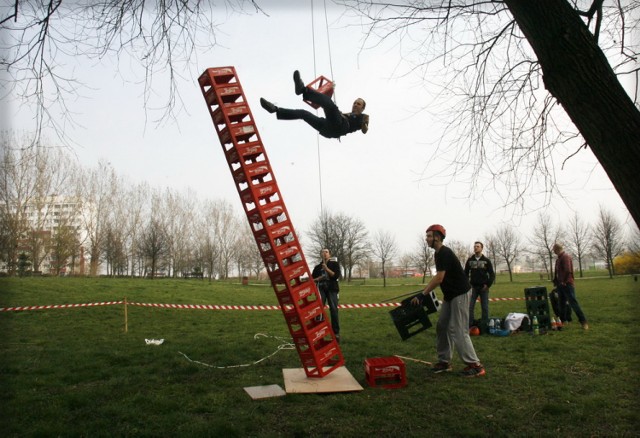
<point>442,367</point>
<point>474,371</point>
<point>297,81</point>
<point>271,108</point>
<point>585,326</point>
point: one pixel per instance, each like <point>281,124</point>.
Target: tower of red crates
<point>270,222</point>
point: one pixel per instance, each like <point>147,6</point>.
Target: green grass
<point>75,372</point>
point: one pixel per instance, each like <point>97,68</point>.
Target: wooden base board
<point>258,392</point>
<point>339,380</point>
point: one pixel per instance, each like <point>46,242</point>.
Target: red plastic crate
<point>321,85</point>
<point>386,372</point>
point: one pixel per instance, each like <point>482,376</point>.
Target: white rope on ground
<point>284,345</point>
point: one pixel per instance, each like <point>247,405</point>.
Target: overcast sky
<point>378,177</point>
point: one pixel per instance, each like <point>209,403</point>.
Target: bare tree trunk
<point>577,73</point>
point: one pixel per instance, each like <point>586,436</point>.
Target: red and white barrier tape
<point>202,306</point>
<point>58,306</point>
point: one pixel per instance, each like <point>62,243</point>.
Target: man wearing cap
<point>453,320</point>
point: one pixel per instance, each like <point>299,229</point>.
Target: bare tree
<point>344,236</point>
<point>136,201</point>
<point>423,257</point>
<point>207,243</point>
<point>161,36</point>
<point>114,251</point>
<point>608,238</point>
<point>492,59</point>
<point>155,247</point>
<point>64,245</point>
<point>98,196</point>
<point>226,233</point>
<point>460,249</point>
<point>33,182</point>
<point>405,262</point>
<point>384,247</point>
<point>507,246</point>
<point>491,251</point>
<point>578,238</point>
<point>355,243</point>
<point>545,234</point>
<point>16,191</point>
<point>245,253</point>
<point>180,208</point>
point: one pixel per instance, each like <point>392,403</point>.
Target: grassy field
<point>75,372</point>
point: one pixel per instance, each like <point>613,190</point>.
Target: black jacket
<point>479,272</point>
<point>328,283</point>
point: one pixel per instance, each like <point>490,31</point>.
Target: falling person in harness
<point>334,124</point>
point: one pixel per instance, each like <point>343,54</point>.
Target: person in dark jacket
<point>327,274</point>
<point>481,275</point>
<point>334,124</point>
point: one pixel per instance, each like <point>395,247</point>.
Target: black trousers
<point>332,125</point>
<point>331,298</point>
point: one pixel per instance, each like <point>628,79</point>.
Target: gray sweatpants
<point>452,331</point>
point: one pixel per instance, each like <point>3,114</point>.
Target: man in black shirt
<point>452,328</point>
<point>335,123</point>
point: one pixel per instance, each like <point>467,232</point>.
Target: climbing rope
<point>315,74</point>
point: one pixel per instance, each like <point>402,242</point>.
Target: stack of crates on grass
<point>538,305</point>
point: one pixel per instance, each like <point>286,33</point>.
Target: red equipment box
<point>386,372</point>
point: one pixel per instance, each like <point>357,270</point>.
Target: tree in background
<point>507,246</point>
<point>579,239</point>
<point>460,249</point>
<point>545,234</point>
<point>491,251</point>
<point>344,236</point>
<point>423,257</point>
<point>384,247</point>
<point>154,247</point>
<point>32,182</point>
<point>23,264</point>
<point>159,36</point>
<point>405,262</point>
<point>607,238</point>
<point>98,193</point>
<point>492,60</point>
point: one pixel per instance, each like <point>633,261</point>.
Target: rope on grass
<point>284,345</point>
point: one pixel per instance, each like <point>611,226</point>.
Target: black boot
<point>300,87</point>
<point>271,108</point>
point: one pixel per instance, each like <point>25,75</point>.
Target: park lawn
<point>76,372</point>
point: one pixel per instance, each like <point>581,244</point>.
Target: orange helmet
<point>439,228</point>
<point>474,331</point>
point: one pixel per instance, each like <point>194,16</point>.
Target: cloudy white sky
<point>378,177</point>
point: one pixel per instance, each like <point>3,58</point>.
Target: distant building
<point>52,228</point>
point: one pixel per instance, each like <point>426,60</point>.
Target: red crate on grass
<point>386,372</point>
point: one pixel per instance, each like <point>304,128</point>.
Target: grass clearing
<point>75,372</point>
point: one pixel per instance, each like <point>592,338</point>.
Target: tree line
<point>131,229</point>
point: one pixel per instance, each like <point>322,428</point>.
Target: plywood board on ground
<point>258,392</point>
<point>339,380</point>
